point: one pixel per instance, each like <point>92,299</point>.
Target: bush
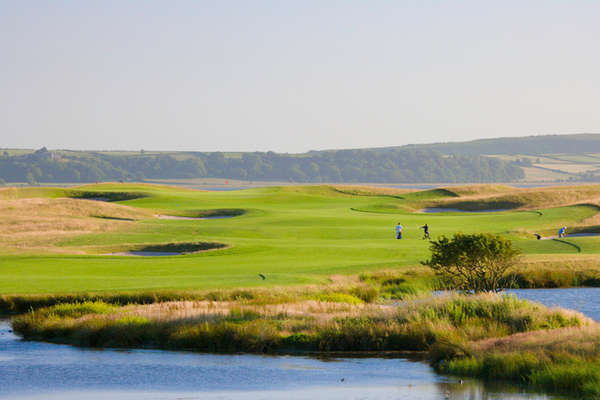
<point>473,263</point>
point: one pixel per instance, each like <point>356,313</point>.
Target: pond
<point>35,370</point>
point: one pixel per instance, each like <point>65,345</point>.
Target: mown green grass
<point>291,235</point>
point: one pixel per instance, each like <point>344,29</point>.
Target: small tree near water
<point>473,263</point>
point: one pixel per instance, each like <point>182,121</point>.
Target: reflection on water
<point>34,370</point>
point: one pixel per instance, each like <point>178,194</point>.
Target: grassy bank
<point>366,288</point>
<point>464,335</point>
<point>565,360</point>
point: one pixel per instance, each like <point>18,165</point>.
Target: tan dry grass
<point>360,190</point>
<point>39,222</point>
<point>212,310</point>
<point>583,340</point>
<point>479,189</point>
<point>530,198</point>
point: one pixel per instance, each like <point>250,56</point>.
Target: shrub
<point>473,263</point>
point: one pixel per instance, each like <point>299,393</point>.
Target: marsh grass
<point>403,285</point>
<point>488,336</point>
<point>563,360</point>
<point>555,273</point>
<point>240,325</point>
<point>345,293</point>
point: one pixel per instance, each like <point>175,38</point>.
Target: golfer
<point>562,232</point>
<point>398,231</point>
<point>425,231</point>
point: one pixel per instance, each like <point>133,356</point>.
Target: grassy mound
<point>37,223</point>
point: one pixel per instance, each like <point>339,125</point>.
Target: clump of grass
<point>403,285</point>
<point>368,294</point>
<point>76,310</point>
<point>338,298</point>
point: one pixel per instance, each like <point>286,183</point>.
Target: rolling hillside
<point>550,158</point>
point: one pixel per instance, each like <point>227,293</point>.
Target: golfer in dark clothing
<point>425,231</point>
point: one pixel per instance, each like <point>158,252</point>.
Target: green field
<point>291,235</point>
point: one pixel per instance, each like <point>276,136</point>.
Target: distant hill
<point>533,145</point>
<point>548,158</point>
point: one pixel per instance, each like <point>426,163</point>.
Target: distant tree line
<point>393,165</point>
<point>361,166</point>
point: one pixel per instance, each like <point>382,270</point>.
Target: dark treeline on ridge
<point>399,165</point>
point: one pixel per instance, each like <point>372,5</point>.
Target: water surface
<point>585,300</point>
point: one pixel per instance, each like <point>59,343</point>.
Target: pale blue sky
<point>294,75</point>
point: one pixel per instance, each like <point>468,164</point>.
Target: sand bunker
<point>145,253</point>
<point>194,218</point>
<point>167,249</point>
<point>442,210</point>
<point>582,234</point>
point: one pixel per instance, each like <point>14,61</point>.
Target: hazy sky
<point>294,75</point>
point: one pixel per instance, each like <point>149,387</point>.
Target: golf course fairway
<point>290,235</point>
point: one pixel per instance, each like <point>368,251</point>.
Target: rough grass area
<point>489,336</point>
<point>530,199</point>
<point>348,290</point>
<point>358,190</point>
<point>565,360</point>
<point>309,325</point>
<point>37,223</point>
